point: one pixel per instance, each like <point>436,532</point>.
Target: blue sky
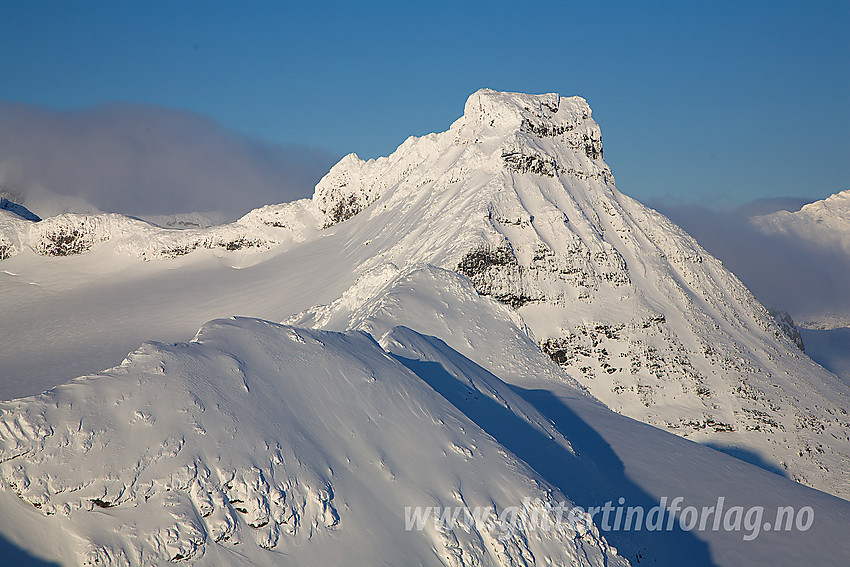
<point>704,102</point>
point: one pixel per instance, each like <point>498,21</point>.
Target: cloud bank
<point>808,281</point>
<point>147,160</point>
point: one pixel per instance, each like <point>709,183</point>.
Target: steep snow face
<point>257,442</point>
<point>516,196</point>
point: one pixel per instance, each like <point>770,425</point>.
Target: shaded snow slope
<point>517,198</point>
<point>19,210</point>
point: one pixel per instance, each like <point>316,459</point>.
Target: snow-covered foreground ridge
<point>264,444</point>
<point>268,443</point>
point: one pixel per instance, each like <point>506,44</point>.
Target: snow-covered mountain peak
<point>839,202</point>
<point>554,131</point>
<point>515,196</point>
<point>543,134</point>
<point>459,310</point>
<point>500,110</point>
<point>823,223</point>
<point>834,208</point>
<point>820,230</point>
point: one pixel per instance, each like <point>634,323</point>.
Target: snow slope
<point>516,197</point>
<point>466,255</point>
<point>256,437</point>
<point>258,443</point>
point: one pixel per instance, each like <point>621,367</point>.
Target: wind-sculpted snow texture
<point>258,443</point>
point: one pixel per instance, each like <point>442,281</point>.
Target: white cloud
<point>808,281</point>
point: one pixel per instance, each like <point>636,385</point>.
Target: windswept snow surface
<point>505,287</point>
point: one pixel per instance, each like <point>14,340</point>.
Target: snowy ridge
<point>258,437</point>
<point>70,234</point>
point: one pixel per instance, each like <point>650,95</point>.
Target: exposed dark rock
<point>704,423</point>
<point>343,210</point>
<point>66,241</point>
<point>545,129</point>
<point>176,251</point>
<point>229,245</point>
<point>530,163</point>
<point>477,262</point>
<point>495,272</point>
<point>788,328</point>
<point>592,147</point>
<point>241,243</point>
